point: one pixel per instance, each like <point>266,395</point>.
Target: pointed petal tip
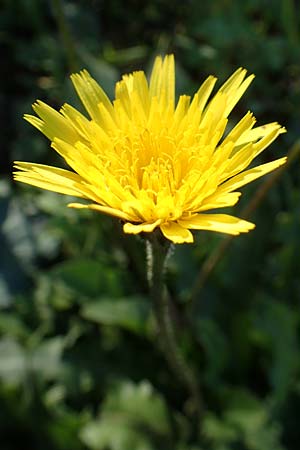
<point>39,104</point>
<point>248,226</point>
<point>222,223</point>
<point>280,161</point>
<point>27,116</point>
<point>250,77</point>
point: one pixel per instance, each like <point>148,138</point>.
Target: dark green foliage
<point>80,363</point>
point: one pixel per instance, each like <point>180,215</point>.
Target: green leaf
<point>13,361</point>
<point>130,312</point>
<point>17,361</point>
<point>141,403</point>
<point>283,346</point>
<point>218,431</point>
<point>246,421</point>
<point>63,428</point>
<point>46,360</point>
<point>214,343</point>
<point>87,277</point>
<point>113,433</point>
<point>133,416</point>
<point>12,325</point>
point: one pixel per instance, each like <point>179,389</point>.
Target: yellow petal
<point>52,123</point>
<point>267,139</point>
<point>204,92</point>
<point>176,233</point>
<point>214,111</point>
<point>52,179</point>
<point>241,128</point>
<point>234,81</point>
<point>78,120</point>
<point>102,209</point>
<point>162,80</point>
<point>258,132</point>
<point>140,84</point>
<point>238,162</point>
<point>168,82</point>
<point>219,200</point>
<point>235,87</point>
<point>122,96</point>
<point>154,86</point>
<point>235,97</point>
<point>222,223</point>
<point>132,228</point>
<point>91,94</point>
<point>251,175</point>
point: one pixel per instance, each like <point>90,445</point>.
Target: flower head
<point>152,162</point>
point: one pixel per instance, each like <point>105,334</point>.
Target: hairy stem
<point>157,254</point>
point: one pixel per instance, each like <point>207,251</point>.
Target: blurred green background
<point>80,365</point>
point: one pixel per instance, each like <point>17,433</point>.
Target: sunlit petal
<point>102,209</point>
<point>176,233</point>
<point>222,223</point>
<point>132,228</point>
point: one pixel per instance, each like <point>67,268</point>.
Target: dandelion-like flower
<point>151,162</point>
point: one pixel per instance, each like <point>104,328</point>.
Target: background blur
<point>80,367</point>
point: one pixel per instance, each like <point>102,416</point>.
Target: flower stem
<point>157,254</point>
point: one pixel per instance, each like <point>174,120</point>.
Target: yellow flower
<point>149,161</point>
